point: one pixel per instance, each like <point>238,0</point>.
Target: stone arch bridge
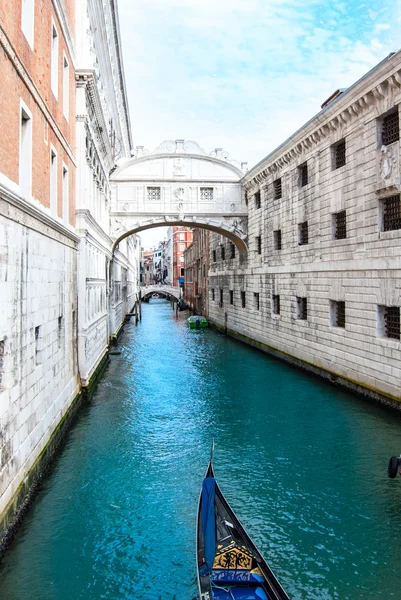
<point>179,184</point>
<point>168,290</point>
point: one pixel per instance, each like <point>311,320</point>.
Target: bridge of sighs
<point>179,184</point>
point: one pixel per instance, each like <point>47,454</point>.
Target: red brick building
<point>37,104</point>
<point>181,238</point>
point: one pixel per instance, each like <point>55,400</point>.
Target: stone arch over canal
<point>179,184</point>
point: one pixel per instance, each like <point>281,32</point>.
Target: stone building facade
<point>196,260</point>
<point>322,282</point>
<point>38,245</point>
<point>64,286</point>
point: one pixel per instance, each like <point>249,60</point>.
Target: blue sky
<point>245,74</point>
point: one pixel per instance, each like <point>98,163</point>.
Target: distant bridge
<point>167,290</point>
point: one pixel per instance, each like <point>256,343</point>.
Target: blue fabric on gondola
<point>208,524</point>
<point>235,575</point>
<point>239,594</point>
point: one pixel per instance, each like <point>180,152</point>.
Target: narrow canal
<point>302,463</point>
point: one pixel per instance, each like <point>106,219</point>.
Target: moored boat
<point>229,566</point>
<point>197,322</point>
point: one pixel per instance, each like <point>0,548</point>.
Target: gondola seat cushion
<point>231,575</point>
<point>239,594</point>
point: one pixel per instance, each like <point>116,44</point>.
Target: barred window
<point>389,321</point>
<point>246,198</point>
<point>390,129</point>
<point>303,235</point>
<point>214,255</point>
<point>206,194</point>
<point>256,300</point>
<point>221,297</point>
<point>303,172</point>
<point>276,304</point>
<point>154,193</point>
<point>391,213</point>
<point>223,253</point>
<point>392,322</point>
<point>340,225</point>
<point>258,240</point>
<point>257,199</point>
<point>231,296</point>
<point>337,313</point>
<point>212,293</point>
<point>277,239</point>
<point>339,156</point>
<point>277,187</point>
<point>232,250</point>
<point>243,299</point>
<point>302,308</point>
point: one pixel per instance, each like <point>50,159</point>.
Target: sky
<point>244,74</point>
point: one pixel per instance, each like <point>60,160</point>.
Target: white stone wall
<point>38,358</point>
<point>363,270</point>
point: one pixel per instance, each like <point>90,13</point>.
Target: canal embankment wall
<point>322,282</point>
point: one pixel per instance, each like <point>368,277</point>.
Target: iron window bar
<point>304,174</point>
<point>302,308</point>
<point>303,233</point>
<point>391,213</point>
<point>276,304</point>
<point>278,190</point>
<point>339,154</point>
<point>340,228</point>
<point>392,322</point>
<point>390,129</point>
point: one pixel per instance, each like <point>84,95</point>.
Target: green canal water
<point>302,463</point>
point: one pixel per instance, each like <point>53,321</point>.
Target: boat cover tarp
<point>208,524</point>
<point>239,593</point>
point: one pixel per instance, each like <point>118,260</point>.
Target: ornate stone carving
<point>180,166</point>
<point>387,162</point>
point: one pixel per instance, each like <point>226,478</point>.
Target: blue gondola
<point>229,566</point>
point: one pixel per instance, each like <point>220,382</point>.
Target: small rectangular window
<point>277,239</point>
<point>257,200</point>
<point>65,195</point>
<point>276,304</point>
<point>391,213</point>
<point>213,294</point>
<point>390,129</point>
<point>66,87</point>
<point>339,225</point>
<point>221,297</point>
<point>278,191</point>
<point>54,60</point>
<point>339,155</point>
<point>303,175</point>
<point>37,346</point>
<point>258,241</point>
<point>389,321</point>
<point>303,235</point>
<point>337,313</point>
<point>223,253</point>
<point>182,236</point>
<point>232,250</point>
<point>25,155</point>
<point>182,247</point>
<point>27,20</point>
<point>302,308</point>
<point>182,271</point>
<point>206,194</point>
<point>231,296</point>
<point>214,255</point>
<point>243,299</point>
<point>256,300</point>
<point>154,194</point>
<point>246,198</point>
<point>53,182</point>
